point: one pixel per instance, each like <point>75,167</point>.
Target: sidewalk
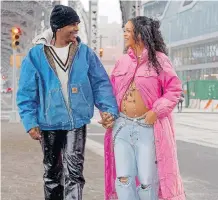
<point>191,110</point>
<point>22,168</point>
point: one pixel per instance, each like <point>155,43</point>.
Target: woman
<point>140,150</point>
<point>179,105</point>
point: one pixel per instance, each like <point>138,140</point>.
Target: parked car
<point>9,90</point>
<point>6,90</point>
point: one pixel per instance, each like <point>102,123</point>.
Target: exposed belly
<point>132,104</point>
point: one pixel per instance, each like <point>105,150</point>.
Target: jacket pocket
<point>82,100</point>
<point>119,78</point>
<point>56,108</point>
<point>119,73</point>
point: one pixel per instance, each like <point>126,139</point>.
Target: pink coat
<point>150,86</point>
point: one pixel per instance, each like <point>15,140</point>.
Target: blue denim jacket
<point>40,99</point>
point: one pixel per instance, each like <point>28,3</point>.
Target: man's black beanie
<point>62,16</point>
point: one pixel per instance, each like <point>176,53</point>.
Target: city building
<point>190,29</point>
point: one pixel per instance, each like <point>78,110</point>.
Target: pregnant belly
<point>134,106</point>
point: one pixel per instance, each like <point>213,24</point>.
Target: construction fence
<point>201,94</point>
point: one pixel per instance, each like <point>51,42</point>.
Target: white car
<point>3,90</point>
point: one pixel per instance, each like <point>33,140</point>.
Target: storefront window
<point>198,54</point>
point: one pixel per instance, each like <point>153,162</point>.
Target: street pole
<point>14,117</point>
<point>100,44</point>
<point>14,80</point>
<point>101,37</point>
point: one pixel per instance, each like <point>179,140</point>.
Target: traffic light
<point>101,52</point>
<point>15,36</point>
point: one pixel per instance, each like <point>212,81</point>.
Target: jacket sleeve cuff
<point>30,123</point>
<point>159,112</point>
<point>114,113</point>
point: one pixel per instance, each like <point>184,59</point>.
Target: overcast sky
<point>110,8</point>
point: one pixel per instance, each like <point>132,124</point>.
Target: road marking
<point>95,134</point>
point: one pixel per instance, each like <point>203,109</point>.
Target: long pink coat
<point>150,86</point>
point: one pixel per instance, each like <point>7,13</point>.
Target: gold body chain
<point>129,96</point>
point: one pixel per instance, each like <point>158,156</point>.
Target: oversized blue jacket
<point>40,99</point>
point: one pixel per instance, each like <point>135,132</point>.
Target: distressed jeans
<point>135,156</point>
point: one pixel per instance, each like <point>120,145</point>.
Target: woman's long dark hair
<point>148,29</point>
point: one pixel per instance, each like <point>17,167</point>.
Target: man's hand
<point>107,120</point>
<point>150,117</point>
<point>35,133</point>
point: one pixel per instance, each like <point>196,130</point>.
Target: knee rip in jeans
<point>124,180</point>
<point>145,187</point>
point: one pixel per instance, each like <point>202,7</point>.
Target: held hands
<point>150,117</point>
<point>107,120</point>
<point>35,133</point>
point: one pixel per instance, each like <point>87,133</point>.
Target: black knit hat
<point>62,16</point>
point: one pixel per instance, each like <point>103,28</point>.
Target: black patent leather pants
<point>63,162</point>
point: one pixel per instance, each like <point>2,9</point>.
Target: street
<point>197,141</point>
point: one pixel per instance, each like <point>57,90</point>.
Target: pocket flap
<point>146,72</point>
<point>119,73</point>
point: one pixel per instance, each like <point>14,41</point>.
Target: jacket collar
<point>72,52</point>
<point>144,55</point>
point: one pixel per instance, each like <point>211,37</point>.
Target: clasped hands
<point>107,120</point>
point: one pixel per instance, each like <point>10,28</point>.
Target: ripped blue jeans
<point>135,156</point>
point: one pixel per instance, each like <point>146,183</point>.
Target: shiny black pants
<point>63,162</point>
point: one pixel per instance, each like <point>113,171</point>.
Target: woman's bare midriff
<point>134,108</point>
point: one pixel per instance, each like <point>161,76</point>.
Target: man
<point>58,88</point>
